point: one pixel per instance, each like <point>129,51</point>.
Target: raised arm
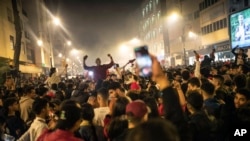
<point>171,102</point>
<point>197,66</point>
<point>233,50</point>
<point>84,63</point>
<point>111,62</point>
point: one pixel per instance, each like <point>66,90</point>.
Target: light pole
<point>68,43</point>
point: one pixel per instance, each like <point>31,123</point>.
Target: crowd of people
<point>207,103</point>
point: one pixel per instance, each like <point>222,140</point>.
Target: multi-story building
<point>214,28</point>
<point>33,21</point>
<point>168,38</point>
<point>7,37</point>
<point>183,30</point>
<point>152,28</point>
<point>40,27</point>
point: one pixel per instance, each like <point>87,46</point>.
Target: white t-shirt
<point>100,114</point>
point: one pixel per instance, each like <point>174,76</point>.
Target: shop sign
<point>221,48</point>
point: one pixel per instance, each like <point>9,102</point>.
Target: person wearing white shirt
<point>103,109</point>
<point>41,108</point>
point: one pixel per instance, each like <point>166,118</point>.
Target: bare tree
<point>17,47</point>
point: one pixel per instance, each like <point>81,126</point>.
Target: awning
<point>30,69</point>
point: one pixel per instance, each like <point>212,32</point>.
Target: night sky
<point>98,26</point>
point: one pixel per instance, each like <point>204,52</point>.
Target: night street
<point>124,70</point>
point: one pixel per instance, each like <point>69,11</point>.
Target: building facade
<point>151,29</point>
<point>34,60</point>
<point>7,37</point>
<point>168,38</point>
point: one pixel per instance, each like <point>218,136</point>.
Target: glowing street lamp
<point>74,51</point>
<point>60,55</point>
<point>69,43</point>
<point>174,16</point>
<point>56,21</point>
<point>134,41</point>
<point>40,43</point>
<point>123,48</point>
<point>191,34</point>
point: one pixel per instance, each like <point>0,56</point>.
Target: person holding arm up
<point>99,70</point>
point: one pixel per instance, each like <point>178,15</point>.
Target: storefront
<point>222,52</point>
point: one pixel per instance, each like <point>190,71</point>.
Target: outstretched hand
<point>85,57</point>
<point>157,73</point>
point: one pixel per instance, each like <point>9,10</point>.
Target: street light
<point>40,43</point>
<point>56,21</point>
<point>69,43</point>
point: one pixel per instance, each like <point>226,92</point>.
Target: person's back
<point>67,124</point>
<point>100,114</point>
<point>40,108</point>
<point>103,110</point>
<point>200,126</point>
<point>87,130</point>
<point>90,132</point>
<point>58,135</point>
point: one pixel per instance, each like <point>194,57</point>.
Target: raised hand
<point>109,55</point>
<point>85,57</point>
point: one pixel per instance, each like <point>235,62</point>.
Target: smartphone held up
<point>143,61</point>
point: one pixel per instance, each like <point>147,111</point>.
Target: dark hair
<point>70,113</point>
<point>52,71</point>
<point>120,107</point>
<point>245,92</point>
<point>8,102</point>
<point>28,89</point>
<point>151,103</point>
<point>54,86</point>
<point>219,78</point>
<point>154,130</point>
<point>61,86</point>
<point>208,88</point>
<point>103,92</point>
<point>87,112</point>
<point>42,91</point>
<point>133,95</point>
<point>185,75</point>
<point>38,105</point>
<point>194,81</point>
<point>240,81</point>
<point>205,72</point>
<point>117,127</point>
<point>114,86</point>
<point>195,99</point>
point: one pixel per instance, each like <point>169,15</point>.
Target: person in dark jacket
<point>172,107</point>
<point>15,125</point>
<point>199,123</point>
<point>87,130</point>
<point>81,95</point>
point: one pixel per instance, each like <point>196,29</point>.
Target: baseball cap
<point>137,108</point>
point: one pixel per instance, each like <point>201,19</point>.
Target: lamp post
<point>68,43</point>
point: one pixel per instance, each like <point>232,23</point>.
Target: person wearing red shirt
<point>98,70</point>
